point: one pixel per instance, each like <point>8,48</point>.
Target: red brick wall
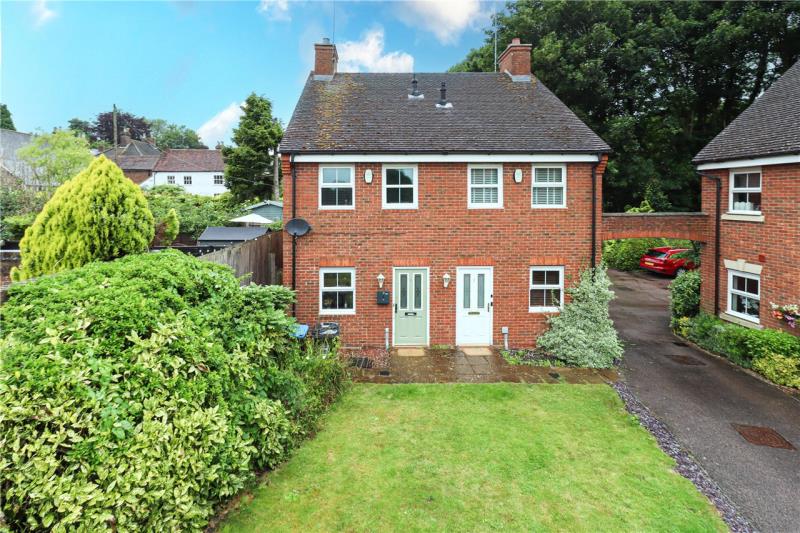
<point>441,234</point>
<point>774,243</point>
<point>692,226</point>
<point>137,176</point>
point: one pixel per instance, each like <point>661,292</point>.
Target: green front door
<point>410,306</point>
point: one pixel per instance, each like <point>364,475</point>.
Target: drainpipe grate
<point>361,362</point>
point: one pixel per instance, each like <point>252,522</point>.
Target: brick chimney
<point>516,60</point>
<point>325,59</point>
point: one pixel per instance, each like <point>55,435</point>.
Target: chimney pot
<point>325,59</point>
<point>516,60</point>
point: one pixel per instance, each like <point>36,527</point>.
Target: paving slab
<point>703,404</point>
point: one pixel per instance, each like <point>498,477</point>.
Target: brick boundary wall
<point>691,226</point>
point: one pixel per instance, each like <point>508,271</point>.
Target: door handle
<point>395,308</point>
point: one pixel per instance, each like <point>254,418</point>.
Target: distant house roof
<point>266,202</point>
<point>231,234</point>
<point>134,148</point>
<point>769,127</point>
<point>371,112</point>
<point>136,155</point>
<point>10,142</point>
<point>191,160</point>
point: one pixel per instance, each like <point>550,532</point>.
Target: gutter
<point>717,253</point>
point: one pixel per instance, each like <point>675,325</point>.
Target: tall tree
<point>56,157</point>
<point>6,122</point>
<point>167,135</point>
<point>656,80</point>
<point>103,126</point>
<point>249,165</point>
<point>98,215</point>
<point>84,127</point>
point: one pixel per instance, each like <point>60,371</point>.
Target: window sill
<point>740,321</point>
<point>743,217</point>
<point>404,208</point>
<point>333,208</point>
<point>484,207</point>
<point>544,310</point>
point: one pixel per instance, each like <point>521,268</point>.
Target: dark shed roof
<point>231,233</point>
<point>370,112</point>
<point>770,126</point>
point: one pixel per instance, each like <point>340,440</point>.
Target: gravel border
<point>686,465</point>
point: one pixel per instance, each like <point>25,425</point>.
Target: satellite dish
<point>297,227</point>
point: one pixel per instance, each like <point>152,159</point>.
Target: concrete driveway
<point>700,401</point>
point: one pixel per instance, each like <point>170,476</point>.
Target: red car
<point>666,260</point>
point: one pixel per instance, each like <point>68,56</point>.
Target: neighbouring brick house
<point>137,159</point>
<point>467,197</point>
<point>757,162</point>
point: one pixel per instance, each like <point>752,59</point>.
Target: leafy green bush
<point>768,351</point>
<point>684,295</point>
<point>139,393</point>
<point>582,334</point>
<point>625,254</point>
<point>171,227</point>
<point>195,212</point>
<point>98,215</point>
<point>779,369</point>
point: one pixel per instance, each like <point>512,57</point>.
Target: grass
<point>477,457</point>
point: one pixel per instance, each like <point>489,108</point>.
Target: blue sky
<point>192,63</point>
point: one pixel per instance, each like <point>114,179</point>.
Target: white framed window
<point>485,186</point>
<point>744,295</point>
<point>549,186</point>
<point>187,180</point>
<point>337,187</point>
<point>400,187</point>
<point>546,292</point>
<point>219,179</point>
<point>171,180</point>
<point>337,291</point>
<point>745,191</point>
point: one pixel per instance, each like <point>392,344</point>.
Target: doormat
<point>410,352</point>
<point>476,350</point>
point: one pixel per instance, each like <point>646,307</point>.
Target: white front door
<point>474,307</point>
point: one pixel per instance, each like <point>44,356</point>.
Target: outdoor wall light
<point>518,175</point>
<point>381,279</point>
<point>368,179</point>
<point>446,279</point>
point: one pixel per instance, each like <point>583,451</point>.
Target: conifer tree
<point>98,215</point>
<point>583,333</point>
<point>171,227</point>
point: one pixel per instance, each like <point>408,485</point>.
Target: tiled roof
<point>369,112</point>
<point>134,148</point>
<point>135,162</point>
<point>231,233</point>
<point>10,142</point>
<point>191,160</point>
<point>770,126</point>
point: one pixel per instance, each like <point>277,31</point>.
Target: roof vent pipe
<point>415,94</point>
<point>443,103</point>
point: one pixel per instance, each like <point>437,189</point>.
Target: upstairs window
<point>171,180</point>
<point>219,179</point>
<point>336,187</point>
<point>485,187</point>
<point>187,180</point>
<point>549,186</point>
<point>546,289</point>
<point>745,196</point>
<point>400,189</point>
<point>744,296</point>
<point>337,291</point>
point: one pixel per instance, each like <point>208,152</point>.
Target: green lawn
<point>477,457</point>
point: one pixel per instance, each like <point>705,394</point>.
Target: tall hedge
<point>98,215</point>
<point>138,394</point>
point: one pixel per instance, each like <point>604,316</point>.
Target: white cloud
<point>218,128</point>
<point>368,55</point>
<point>446,19</point>
<point>275,9</point>
<point>41,13</point>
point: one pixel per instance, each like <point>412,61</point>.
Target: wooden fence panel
<point>261,257</point>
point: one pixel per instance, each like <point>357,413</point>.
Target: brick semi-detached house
<point>756,161</point>
<point>445,208</point>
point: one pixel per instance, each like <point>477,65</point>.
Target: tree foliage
<point>56,157</point>
<point>103,126</point>
<point>582,333</point>
<point>195,212</point>
<point>6,122</point>
<point>167,135</point>
<point>171,227</point>
<point>656,80</point>
<point>98,215</point>
<point>249,164</point>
